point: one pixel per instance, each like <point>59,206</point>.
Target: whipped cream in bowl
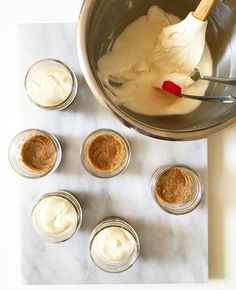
<point>157,47</point>
<point>145,109</point>
<point>57,216</point>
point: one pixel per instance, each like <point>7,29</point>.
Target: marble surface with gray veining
<point>173,248</point>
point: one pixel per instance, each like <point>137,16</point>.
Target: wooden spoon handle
<point>203,9</point>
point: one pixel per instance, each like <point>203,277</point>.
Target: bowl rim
<point>122,116</point>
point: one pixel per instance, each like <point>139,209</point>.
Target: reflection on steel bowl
<point>102,21</point>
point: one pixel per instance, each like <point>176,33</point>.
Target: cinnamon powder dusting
<point>106,152</point>
<point>38,153</point>
<point>174,186</point>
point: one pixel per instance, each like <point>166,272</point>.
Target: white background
<point>222,162</point>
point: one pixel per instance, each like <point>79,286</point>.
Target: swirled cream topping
<point>55,216</point>
<point>49,85</point>
<point>113,245</point>
<point>154,48</point>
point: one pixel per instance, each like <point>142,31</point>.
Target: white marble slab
<point>173,248</point>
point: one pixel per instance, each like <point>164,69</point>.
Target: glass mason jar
<point>53,237</point>
<point>105,173</point>
<point>44,64</point>
<point>14,154</point>
<point>190,203</point>
<point>112,266</point>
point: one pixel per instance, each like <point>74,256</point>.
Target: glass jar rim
<point>113,221</point>
<point>104,174</point>
<point>76,204</point>
<point>73,91</point>
<point>56,143</point>
<point>181,208</point>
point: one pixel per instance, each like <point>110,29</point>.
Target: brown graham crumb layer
<point>174,186</point>
<point>106,152</point>
<point>38,153</point>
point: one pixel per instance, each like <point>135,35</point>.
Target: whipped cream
<point>154,48</point>
<point>181,46</point>
<point>55,216</point>
<point>113,245</point>
<point>49,84</point>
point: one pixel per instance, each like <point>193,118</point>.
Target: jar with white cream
<point>57,216</point>
<point>114,245</point>
<point>51,84</point>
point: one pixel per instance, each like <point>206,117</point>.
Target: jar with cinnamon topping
<point>105,153</point>
<point>177,189</point>
<point>34,153</point>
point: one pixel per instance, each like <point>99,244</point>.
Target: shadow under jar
<point>177,189</point>
<point>114,245</point>
<point>34,153</point>
<point>105,153</point>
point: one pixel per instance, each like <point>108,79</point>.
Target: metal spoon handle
<point>223,99</point>
<point>226,81</point>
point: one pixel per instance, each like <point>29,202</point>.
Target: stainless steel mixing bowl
<point>101,21</point>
